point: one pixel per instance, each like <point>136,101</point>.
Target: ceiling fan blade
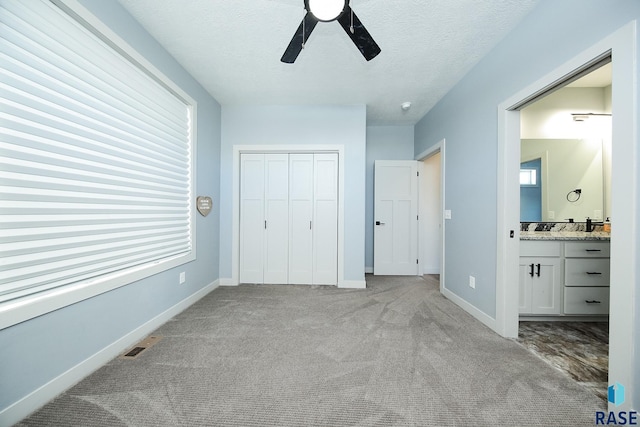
<point>296,44</point>
<point>360,36</point>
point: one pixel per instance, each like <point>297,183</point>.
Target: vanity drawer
<point>586,249</point>
<point>586,300</point>
<point>586,272</point>
<point>537,248</point>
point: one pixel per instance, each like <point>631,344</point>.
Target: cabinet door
<point>276,207</point>
<point>546,288</point>
<point>251,218</point>
<point>300,218</point>
<point>325,219</point>
<point>540,293</point>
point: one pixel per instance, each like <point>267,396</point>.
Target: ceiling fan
<point>327,11</point>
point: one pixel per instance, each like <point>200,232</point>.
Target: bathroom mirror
<point>562,180</point>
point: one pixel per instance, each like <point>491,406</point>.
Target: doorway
<point>431,202</point>
<point>620,45</point>
<point>571,129</point>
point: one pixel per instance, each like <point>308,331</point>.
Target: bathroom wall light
<point>581,117</point>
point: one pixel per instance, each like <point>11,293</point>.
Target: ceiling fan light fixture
<point>326,10</point>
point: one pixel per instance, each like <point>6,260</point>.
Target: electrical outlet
<point>472,282</point>
<point>183,277</point>
<point>552,215</point>
<point>597,214</point>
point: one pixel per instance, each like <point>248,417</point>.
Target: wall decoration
<point>204,205</point>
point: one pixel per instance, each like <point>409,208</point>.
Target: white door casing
<point>396,217</point>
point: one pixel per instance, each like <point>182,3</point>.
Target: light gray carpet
<point>397,353</point>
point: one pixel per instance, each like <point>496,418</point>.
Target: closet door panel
<point>251,218</point>
<point>325,219</point>
<point>276,194</point>
<point>300,217</point>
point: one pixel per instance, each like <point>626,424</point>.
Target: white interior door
<point>300,218</point>
<point>276,206</point>
<point>396,217</point>
<point>325,219</point>
<point>251,218</point>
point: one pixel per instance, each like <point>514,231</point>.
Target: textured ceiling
<point>233,49</point>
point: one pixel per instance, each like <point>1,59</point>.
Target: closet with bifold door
<point>289,218</point>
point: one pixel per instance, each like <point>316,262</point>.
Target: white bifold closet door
<point>264,212</point>
<point>289,218</point>
<point>325,219</point>
<point>313,218</point>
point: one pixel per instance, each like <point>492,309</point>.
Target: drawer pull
<point>538,272</point>
<point>531,272</point>
<point>591,273</point>
<point>593,301</point>
<point>593,250</point>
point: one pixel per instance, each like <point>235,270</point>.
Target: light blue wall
<point>37,351</point>
<point>383,143</point>
<point>300,125</point>
<point>552,34</point>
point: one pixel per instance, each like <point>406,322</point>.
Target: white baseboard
<point>353,284</point>
<point>41,396</point>
<point>431,270</point>
<point>228,282</point>
<point>368,270</point>
<point>478,314</point>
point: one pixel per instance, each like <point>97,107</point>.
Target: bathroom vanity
<point>564,274</point>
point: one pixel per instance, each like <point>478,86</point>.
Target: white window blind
<point>95,152</point>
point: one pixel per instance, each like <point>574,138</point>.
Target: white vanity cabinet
<point>540,278</point>
<point>586,277</point>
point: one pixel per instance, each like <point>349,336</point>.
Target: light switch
<point>447,214</point>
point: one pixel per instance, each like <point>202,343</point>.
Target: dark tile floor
<point>580,349</point>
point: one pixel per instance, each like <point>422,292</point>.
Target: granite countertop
<point>564,235</point>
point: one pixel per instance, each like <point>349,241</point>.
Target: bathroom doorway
<point>570,129</point>
<point>431,213</point>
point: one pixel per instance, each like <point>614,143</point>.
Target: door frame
<point>438,147</point>
<point>624,247</point>
<point>235,189</point>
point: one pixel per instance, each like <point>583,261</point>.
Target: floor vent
<point>140,347</point>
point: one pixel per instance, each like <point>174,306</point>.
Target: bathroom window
<point>96,161</point>
<point>528,177</point>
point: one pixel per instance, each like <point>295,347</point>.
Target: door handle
<point>538,273</point>
<point>593,301</point>
<point>590,273</point>
<point>531,272</point>
<point>379,223</point>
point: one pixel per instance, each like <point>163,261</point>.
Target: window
<point>528,177</point>
<point>96,154</point>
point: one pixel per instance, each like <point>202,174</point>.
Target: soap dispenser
<point>607,226</point>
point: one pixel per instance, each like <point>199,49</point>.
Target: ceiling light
<point>405,106</point>
<point>326,10</point>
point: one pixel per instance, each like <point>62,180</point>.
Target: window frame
<point>30,306</point>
